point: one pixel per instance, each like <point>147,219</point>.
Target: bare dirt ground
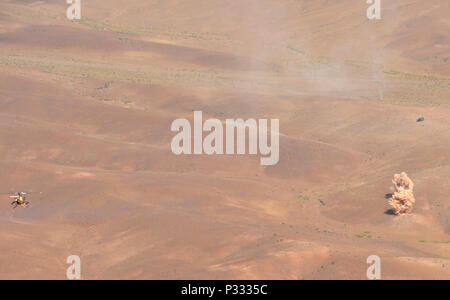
<point>85,114</point>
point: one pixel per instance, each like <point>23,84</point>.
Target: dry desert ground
<point>86,108</point>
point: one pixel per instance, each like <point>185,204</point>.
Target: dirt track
<point>85,114</point>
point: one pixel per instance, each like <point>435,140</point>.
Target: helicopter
<point>19,200</point>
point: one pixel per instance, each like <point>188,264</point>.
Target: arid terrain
<point>85,113</point>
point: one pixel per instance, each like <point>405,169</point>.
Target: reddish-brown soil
<point>85,114</point>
